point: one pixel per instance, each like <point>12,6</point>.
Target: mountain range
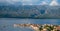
<point>29,11</point>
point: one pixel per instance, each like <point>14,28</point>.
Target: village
<point>38,27</point>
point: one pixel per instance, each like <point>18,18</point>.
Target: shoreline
<point>44,27</point>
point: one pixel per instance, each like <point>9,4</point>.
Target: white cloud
<point>16,0</point>
<point>13,1</point>
<point>27,2</point>
<point>44,3</point>
<point>30,2</point>
<point>2,0</point>
<point>53,3</point>
<point>10,0</point>
<point>36,0</point>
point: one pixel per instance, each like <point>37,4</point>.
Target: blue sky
<point>30,2</point>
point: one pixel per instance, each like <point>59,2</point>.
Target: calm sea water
<point>6,24</point>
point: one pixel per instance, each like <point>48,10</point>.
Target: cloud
<point>2,1</point>
<point>30,2</point>
<point>10,1</point>
<point>16,0</point>
<point>54,3</point>
<point>27,2</point>
<point>13,1</point>
<point>44,3</point>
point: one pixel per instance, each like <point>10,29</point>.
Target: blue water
<point>6,24</point>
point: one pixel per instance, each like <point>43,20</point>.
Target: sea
<point>7,24</point>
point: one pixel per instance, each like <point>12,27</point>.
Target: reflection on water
<point>6,24</point>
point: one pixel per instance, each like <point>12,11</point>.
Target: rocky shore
<point>38,27</point>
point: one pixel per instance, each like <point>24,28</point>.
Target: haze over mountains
<point>17,10</point>
<point>30,11</point>
<point>30,2</point>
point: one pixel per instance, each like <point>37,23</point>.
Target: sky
<point>30,2</point>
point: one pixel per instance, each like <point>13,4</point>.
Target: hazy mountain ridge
<point>30,11</point>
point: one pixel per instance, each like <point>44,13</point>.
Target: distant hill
<point>29,11</point>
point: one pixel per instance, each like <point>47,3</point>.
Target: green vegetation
<point>48,27</point>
